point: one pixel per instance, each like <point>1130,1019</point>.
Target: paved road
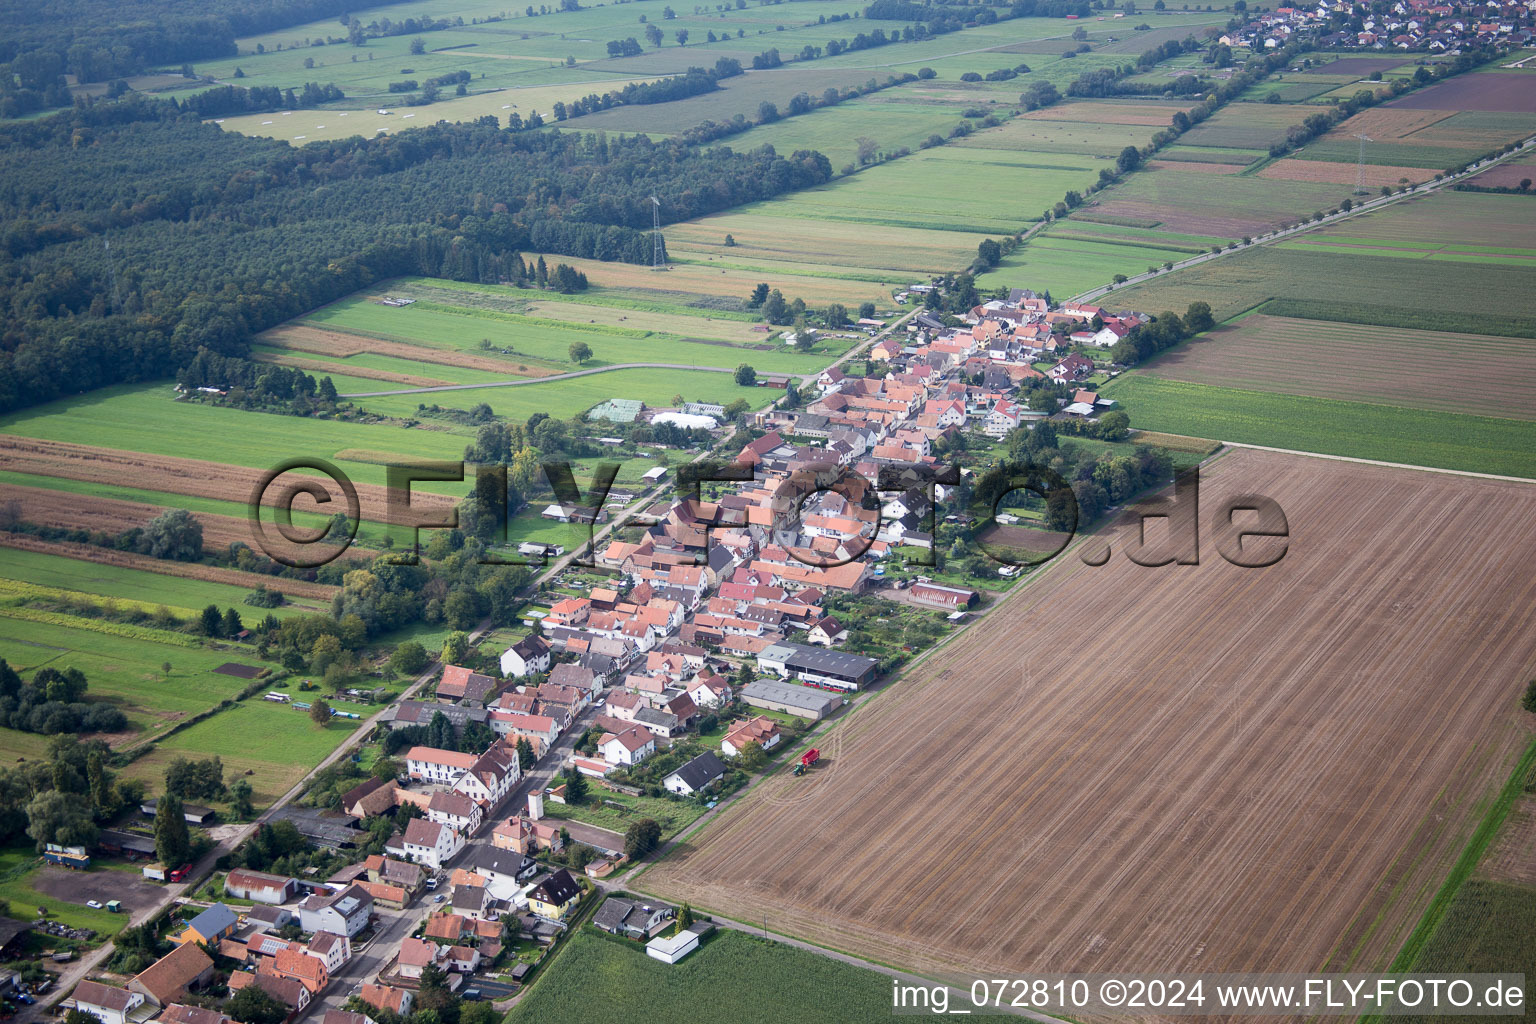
<point>1364,206</point>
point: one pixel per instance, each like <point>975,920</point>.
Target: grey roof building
<point>695,775</point>
<point>790,699</point>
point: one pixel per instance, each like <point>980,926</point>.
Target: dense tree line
<point>139,235</point>
<point>52,703</point>
<point>695,82</point>
<point>235,99</point>
<point>1165,331</point>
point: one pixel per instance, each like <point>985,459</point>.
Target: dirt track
<point>1180,768</point>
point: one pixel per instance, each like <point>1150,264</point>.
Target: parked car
<point>470,995</point>
<point>93,904</point>
<point>439,898</point>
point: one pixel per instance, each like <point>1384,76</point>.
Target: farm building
<point>669,949</point>
<point>790,699</point>
<point>260,887</point>
<point>935,595</point>
<point>617,410</point>
<point>817,666</point>
<point>196,814</point>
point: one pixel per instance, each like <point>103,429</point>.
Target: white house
<point>709,691</point>
<point>669,949</point>
<point>527,656</point>
<point>430,843</point>
<point>342,913</point>
<point>455,810</point>
<point>330,949</point>
<point>111,1005</point>
<point>1004,417</point>
<point>443,767</point>
<point>491,776</point>
<point>695,775</point>
<point>631,746</point>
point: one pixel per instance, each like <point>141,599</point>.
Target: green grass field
<point>545,341</point>
<point>1356,429</point>
<point>600,979</point>
<point>1066,261</point>
<point>123,670</point>
<point>185,597</point>
<point>276,743</point>
<point>672,815</point>
<point>1490,927</point>
<point>17,865</point>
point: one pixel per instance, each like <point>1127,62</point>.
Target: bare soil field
<point>1356,66</point>
<point>1390,123</point>
<point>134,890</point>
<point>322,366</point>
<point>341,344</point>
<point>1507,175</point>
<point>1513,856</point>
<point>1386,365</point>
<point>1186,768</point>
<point>1344,174</point>
<point>186,570</point>
<point>168,473</point>
<point>1478,91</point>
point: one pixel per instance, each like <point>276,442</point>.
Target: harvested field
<point>1092,112</point>
<point>1513,855</point>
<point>341,344</point>
<point>1292,169</point>
<point>1391,123</point>
<point>179,476</point>
<point>1506,175</point>
<point>320,366</point>
<point>1195,167</point>
<point>1256,769</point>
<point>1477,91</point>
<point>112,516</point>
<point>1387,365</point>
<point>185,570</point>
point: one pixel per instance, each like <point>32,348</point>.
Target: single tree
<point>253,1005</point>
<point>525,755</point>
<point>752,757</point>
<point>746,377</point>
<point>173,843</point>
<point>320,713</point>
<point>575,786</point>
<point>240,800</point>
<point>641,838</point>
<point>579,352</point>
<point>418,46</point>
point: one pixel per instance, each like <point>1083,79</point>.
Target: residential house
<point>386,997</point>
<point>215,923</point>
<point>309,971</point>
<point>826,632</point>
<point>526,836</point>
<point>761,730</point>
<point>108,1004</point>
<point>180,1013</point>
<point>631,918</point>
<point>492,775</point>
<point>463,959</point>
<point>695,775</point>
<point>291,993</point>
<point>443,767</point>
<point>430,843</point>
<point>459,683</point>
<point>631,746</point>
<point>455,810</point>
<point>344,913</point>
<point>505,871</point>
<point>331,949</point>
<point>449,928</point>
<point>415,956</point>
<point>524,658</point>
<point>555,898</point>
<point>167,979</point>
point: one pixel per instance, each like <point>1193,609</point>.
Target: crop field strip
<point>1199,790</point>
<point>1390,433</point>
<point>1388,365</point>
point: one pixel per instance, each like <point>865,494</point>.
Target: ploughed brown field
<point>323,341</point>
<point>1388,365</point>
<point>1194,768</point>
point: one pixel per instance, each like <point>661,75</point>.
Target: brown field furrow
<point>366,372</point>
<point>1387,364</point>
<point>186,570</point>
<point>113,516</point>
<point>341,344</point>
<point>1178,768</point>
<point>92,464</point>
<point>1097,112</point>
<point>1513,857</point>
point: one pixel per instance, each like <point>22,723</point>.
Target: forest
<point>138,234</point>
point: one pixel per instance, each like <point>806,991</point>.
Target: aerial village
<point>706,641</point>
